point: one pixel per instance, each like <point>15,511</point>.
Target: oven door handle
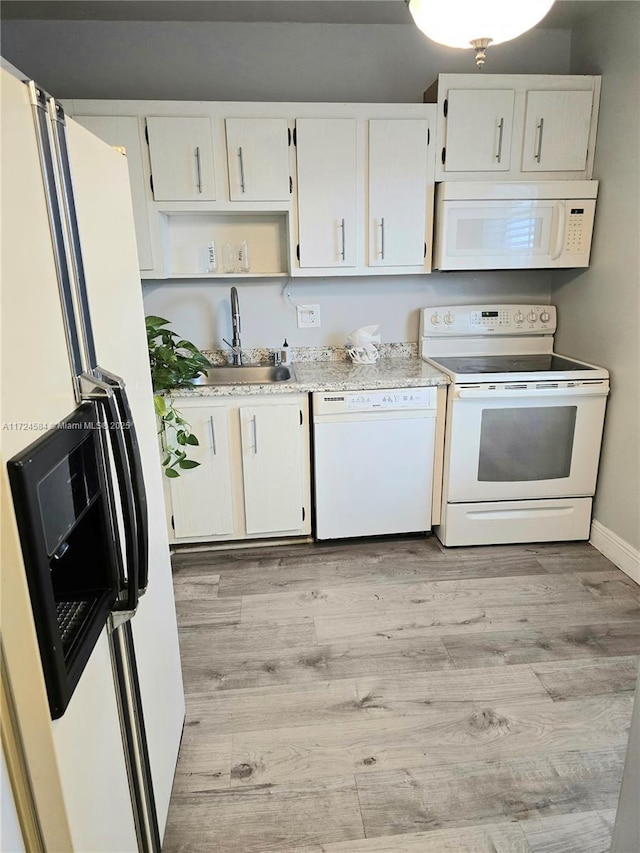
<point>529,393</point>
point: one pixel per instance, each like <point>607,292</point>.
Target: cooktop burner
<point>548,363</point>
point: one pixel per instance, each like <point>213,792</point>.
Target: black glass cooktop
<point>510,364</point>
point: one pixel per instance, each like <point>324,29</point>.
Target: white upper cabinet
<point>258,159</point>
<point>398,191</point>
<point>515,127</point>
<point>556,131</point>
<point>124,131</point>
<point>479,126</point>
<point>327,196</point>
<point>181,158</point>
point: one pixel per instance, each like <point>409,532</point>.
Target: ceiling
<point>564,14</point>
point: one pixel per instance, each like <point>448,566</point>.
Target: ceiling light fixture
<point>477,23</point>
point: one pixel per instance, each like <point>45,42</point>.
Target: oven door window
<point>519,445</point>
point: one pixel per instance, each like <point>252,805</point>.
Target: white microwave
<point>516,225</point>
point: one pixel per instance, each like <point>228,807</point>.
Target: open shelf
<point>186,238</point>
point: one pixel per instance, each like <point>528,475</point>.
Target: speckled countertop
<point>398,367</point>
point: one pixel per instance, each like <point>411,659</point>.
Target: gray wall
<point>255,62</point>
<point>599,309</point>
<point>200,312</point>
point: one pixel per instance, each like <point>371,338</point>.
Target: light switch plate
<point>308,316</point>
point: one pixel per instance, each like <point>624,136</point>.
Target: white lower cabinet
<point>253,480</point>
<point>201,498</point>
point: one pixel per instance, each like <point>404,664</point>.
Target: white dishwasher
<point>373,461</point>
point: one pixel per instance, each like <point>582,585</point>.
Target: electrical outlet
<point>308,316</point>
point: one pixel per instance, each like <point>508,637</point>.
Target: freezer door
<point>105,223</point>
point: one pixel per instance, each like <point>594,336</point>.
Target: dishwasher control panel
<point>386,399</point>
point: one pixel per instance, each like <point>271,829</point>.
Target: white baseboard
<point>623,555</point>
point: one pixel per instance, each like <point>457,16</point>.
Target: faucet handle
<point>236,352</point>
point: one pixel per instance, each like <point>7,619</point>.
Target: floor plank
<point>211,653</point>
<point>205,670</point>
<point>537,550</point>
<point>472,793</point>
<point>344,700</point>
<point>262,818</point>
<point>197,586</point>
<point>489,838</point>
<point>209,611</point>
<point>442,620</point>
<point>381,568</point>
<point>341,550</point>
<point>358,599</point>
<point>204,763</point>
<point>446,733</point>
<point>317,703</point>
<point>573,833</point>
<point>573,557</point>
<point>572,643</point>
<point>577,679</point>
<point>612,584</point>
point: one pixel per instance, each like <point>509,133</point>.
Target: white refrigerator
<point>99,777</point>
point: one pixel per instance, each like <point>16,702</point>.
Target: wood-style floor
<point>393,695</point>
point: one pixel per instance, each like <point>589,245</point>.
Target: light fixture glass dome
<point>463,23</point>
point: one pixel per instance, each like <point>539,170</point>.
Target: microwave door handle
<point>99,391</point>
<point>132,448</point>
<point>560,232</point>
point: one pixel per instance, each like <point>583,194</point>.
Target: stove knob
<point>545,317</point>
<point>435,319</point>
<point>519,317</point>
<point>532,316</point>
<point>448,318</point>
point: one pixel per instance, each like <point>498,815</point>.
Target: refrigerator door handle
<point>67,200</point>
<point>99,391</point>
<point>137,477</point>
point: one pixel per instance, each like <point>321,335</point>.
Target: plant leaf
<point>188,463</point>
<point>171,472</point>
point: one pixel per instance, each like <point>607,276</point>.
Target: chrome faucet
<point>236,353</point>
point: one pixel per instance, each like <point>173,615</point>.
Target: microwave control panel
<point>575,242</point>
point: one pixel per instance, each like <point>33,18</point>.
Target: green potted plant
<point>174,364</point>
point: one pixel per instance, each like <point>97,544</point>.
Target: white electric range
<point>523,426</point>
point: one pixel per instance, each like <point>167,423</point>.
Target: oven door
<point>533,442</point>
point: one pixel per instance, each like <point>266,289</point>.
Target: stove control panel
<point>460,320</point>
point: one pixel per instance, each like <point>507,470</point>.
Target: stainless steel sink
<point>244,374</point>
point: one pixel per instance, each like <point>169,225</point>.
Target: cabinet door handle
<point>500,137</point>
<point>241,169</point>
<point>255,435</point>
<point>540,129</point>
<point>213,436</point>
<point>342,253</point>
<point>198,171</point>
<point>382,238</point>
